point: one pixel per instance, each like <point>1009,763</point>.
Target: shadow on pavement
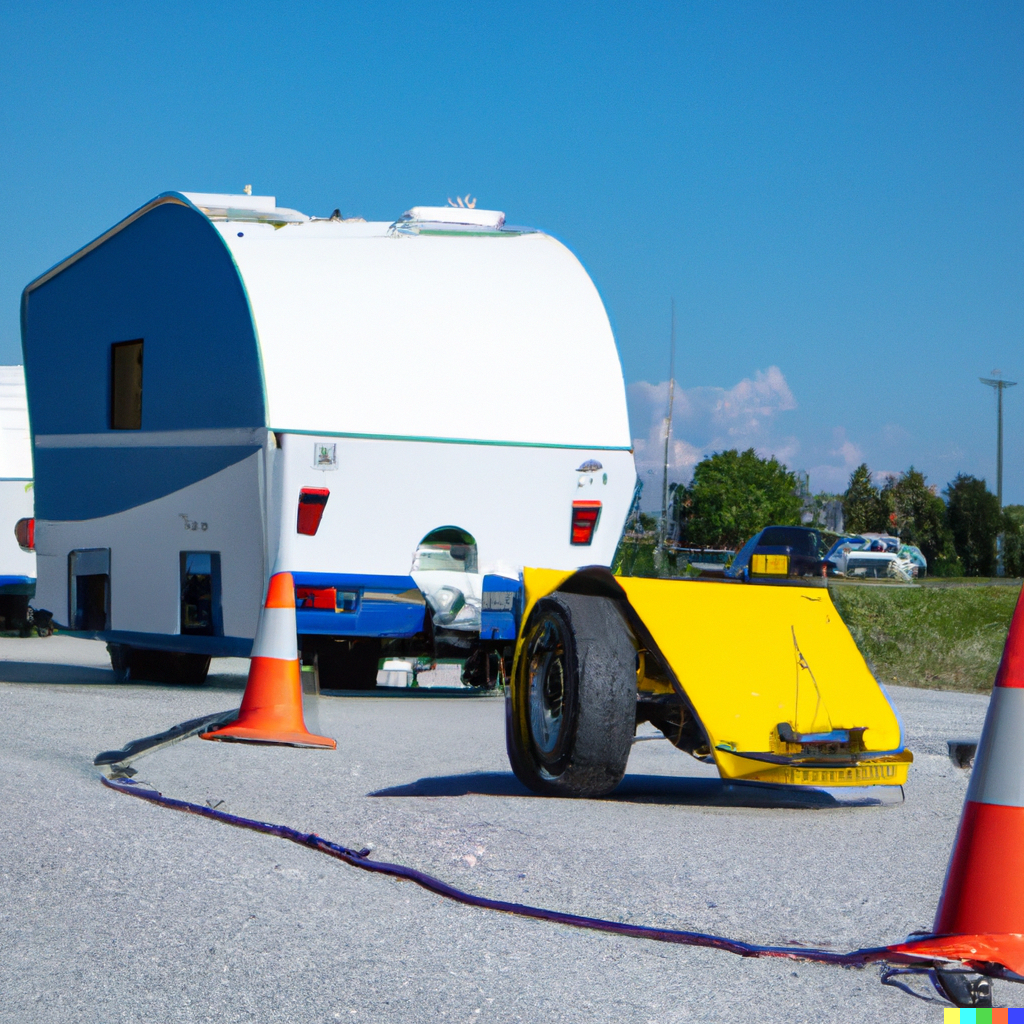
<point>45,672</point>
<point>661,789</point>
<point>60,674</point>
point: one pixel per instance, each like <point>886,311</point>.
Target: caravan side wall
<point>167,279</point>
<point>17,567</point>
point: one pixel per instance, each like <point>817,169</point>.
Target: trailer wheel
<point>571,714</point>
<point>138,664</point>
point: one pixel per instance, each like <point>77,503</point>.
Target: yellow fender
<point>770,672</point>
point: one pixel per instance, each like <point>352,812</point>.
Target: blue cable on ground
<point>360,859</point>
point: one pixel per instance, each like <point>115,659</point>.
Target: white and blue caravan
<point>400,414</point>
<point>17,559</point>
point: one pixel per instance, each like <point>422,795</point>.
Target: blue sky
<point>830,192</point>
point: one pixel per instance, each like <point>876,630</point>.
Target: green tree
<point>974,519</point>
<point>733,495</point>
<point>916,514</point>
<point>1013,544</point>
<point>862,507</point>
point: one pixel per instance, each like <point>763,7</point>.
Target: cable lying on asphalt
<point>118,762</point>
<point>891,955</point>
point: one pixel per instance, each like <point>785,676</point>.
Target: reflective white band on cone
<point>275,635</point>
<point>998,774</point>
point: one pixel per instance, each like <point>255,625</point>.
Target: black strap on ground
<point>360,859</point>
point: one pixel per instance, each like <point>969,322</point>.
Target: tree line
<point>734,494</point>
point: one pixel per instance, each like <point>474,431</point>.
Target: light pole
<point>659,547</point>
<point>999,385</point>
<point>668,424</point>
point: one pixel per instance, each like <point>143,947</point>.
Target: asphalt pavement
<point>115,910</point>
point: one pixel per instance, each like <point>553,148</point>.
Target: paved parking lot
<point>115,910</point>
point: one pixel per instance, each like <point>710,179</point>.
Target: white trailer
<point>17,562</point>
<point>402,414</point>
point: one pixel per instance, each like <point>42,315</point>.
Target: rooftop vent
<point>225,206</point>
<point>457,215</point>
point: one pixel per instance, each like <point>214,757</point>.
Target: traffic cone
<point>271,710</point>
<point>981,912</point>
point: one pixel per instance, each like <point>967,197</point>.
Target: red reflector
<point>25,531</point>
<point>311,508</point>
<point>324,598</point>
<point>585,515</point>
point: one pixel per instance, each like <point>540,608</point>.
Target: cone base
<point>1006,949</point>
<point>274,737</point>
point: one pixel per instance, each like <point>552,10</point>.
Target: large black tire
<point>346,664</point>
<point>571,715</point>
<point>138,664</point>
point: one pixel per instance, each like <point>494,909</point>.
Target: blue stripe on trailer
<point>341,580</point>
<point>372,618</point>
<point>87,483</point>
<point>18,585</point>
<point>384,616</point>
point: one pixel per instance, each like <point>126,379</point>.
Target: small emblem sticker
<point>325,456</point>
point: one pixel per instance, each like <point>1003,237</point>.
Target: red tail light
<point>311,508</point>
<point>585,515</point>
<point>322,598</point>
<point>25,531</point>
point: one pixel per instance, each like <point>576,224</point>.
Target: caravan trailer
<point>401,414</point>
<point>17,560</point>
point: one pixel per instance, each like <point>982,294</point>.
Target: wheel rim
<point>546,695</point>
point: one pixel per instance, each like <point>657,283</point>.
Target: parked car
<point>875,555</point>
<point>780,551</point>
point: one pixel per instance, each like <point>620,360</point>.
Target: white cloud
<point>833,475</point>
<point>706,420</point>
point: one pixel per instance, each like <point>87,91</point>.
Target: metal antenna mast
<point>999,385</point>
<point>668,425</point>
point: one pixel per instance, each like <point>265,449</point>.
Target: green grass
<point>940,637</point>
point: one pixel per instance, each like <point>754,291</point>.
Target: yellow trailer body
<point>770,671</point>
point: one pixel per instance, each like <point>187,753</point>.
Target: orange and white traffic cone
<point>271,710</point>
<point>981,912</point>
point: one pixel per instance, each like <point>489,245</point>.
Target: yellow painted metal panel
<point>750,657</point>
<point>889,770</point>
<point>769,565</point>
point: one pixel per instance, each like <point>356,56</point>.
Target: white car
<point>871,555</point>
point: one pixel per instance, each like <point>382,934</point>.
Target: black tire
<point>14,614</point>
<point>347,664</point>
<point>138,664</point>
<point>571,715</point>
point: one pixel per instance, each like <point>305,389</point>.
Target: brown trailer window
<point>126,385</point>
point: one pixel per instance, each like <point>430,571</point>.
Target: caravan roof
<point>409,328</point>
